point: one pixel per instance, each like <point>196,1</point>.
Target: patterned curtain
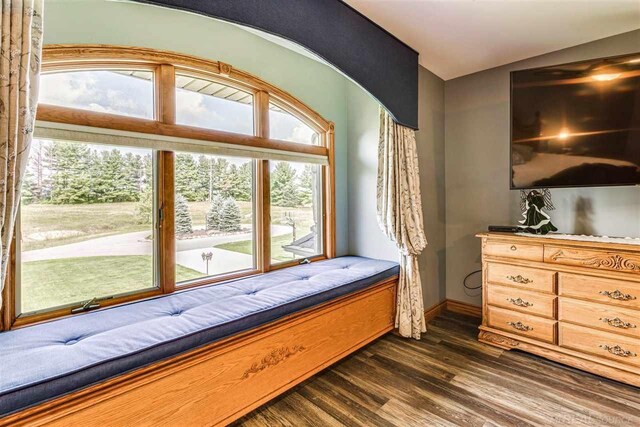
<point>20,49</point>
<point>400,217</point>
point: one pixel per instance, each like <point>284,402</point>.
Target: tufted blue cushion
<point>45,361</point>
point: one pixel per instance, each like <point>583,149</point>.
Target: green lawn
<point>304,220</point>
<point>277,253</point>
<point>58,282</point>
<point>45,226</point>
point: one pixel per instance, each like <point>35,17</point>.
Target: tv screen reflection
<point>576,124</point>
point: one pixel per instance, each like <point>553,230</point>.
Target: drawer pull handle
<point>616,350</point>
<point>617,295</point>
<point>520,302</point>
<point>617,323</point>
<point>520,326</point>
<point>520,279</point>
<point>514,248</point>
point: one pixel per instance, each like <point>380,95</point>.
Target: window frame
<point>165,65</point>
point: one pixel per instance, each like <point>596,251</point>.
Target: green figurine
<point>536,221</point>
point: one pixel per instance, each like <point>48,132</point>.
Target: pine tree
<point>70,163</point>
<point>39,184</point>
<point>245,182</point>
<point>220,181</point>
<point>284,191</point>
<point>27,190</point>
<point>214,214</point>
<point>230,216</point>
<point>144,207</point>
<point>183,222</point>
<point>204,178</point>
<point>307,179</point>
<point>111,183</point>
<point>186,176</point>
<point>133,176</point>
<point>232,181</point>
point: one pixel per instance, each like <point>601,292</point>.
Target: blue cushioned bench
<point>44,361</point>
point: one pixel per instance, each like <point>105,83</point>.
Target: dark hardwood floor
<point>450,379</point>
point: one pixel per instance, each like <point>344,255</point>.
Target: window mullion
<point>262,185</point>
<point>165,87</point>
<point>329,191</point>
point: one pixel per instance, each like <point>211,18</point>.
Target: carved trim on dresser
<point>498,340</point>
<point>612,261</point>
<point>273,358</point>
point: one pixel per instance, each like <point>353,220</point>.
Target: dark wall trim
<point>376,60</point>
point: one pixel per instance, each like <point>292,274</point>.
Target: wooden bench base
<point>219,383</point>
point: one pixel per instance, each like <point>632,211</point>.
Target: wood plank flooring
<point>450,379</point>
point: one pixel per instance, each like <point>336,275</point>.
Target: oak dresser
<point>576,302</point>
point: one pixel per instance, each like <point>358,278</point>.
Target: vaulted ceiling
<point>459,37</point>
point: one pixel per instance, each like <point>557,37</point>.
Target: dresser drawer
<point>521,300</point>
<point>514,250</point>
<point>616,292</point>
<point>522,324</point>
<point>521,277</point>
<point>602,260</point>
<point>600,316</point>
<point>612,346</point>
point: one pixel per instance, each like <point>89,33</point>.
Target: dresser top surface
<point>598,242</point>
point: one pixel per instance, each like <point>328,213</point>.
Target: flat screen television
<point>576,124</point>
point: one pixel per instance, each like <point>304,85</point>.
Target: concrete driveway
<point>189,251</point>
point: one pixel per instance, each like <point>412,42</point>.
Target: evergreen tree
<point>184,224</point>
<point>230,216</point>
<point>232,181</point>
<point>204,178</point>
<point>220,182</point>
<point>245,182</point>
<point>147,167</point>
<point>144,207</point>
<point>186,176</point>
<point>284,191</point>
<point>214,214</point>
<point>133,175</point>
<point>39,186</point>
<point>111,182</point>
<point>28,188</point>
<point>307,179</point>
<point>71,178</point>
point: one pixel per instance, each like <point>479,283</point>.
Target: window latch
<point>305,261</point>
<point>89,305</point>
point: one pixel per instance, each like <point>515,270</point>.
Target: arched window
<point>153,171</point>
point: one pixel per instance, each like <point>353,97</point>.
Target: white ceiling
<point>459,37</point>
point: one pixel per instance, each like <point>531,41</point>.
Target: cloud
<point>286,127</point>
<point>101,91</point>
<point>195,109</point>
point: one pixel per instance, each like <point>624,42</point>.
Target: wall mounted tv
<point>576,124</point>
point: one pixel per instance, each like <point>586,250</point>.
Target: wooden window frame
<point>164,65</point>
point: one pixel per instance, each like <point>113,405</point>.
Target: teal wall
<point>317,85</point>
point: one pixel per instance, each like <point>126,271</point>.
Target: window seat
<point>44,361</point>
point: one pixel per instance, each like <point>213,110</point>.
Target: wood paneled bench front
<point>205,356</point>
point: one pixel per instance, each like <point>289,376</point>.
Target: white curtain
<point>399,208</point>
<point>20,50</point>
